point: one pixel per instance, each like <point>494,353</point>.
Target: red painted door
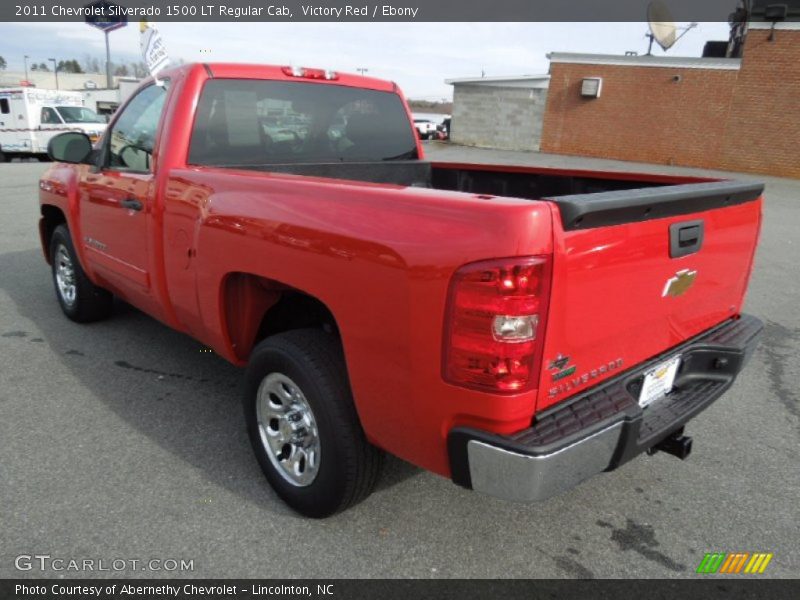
<point>117,199</point>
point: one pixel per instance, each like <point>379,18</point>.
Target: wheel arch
<point>52,217</point>
<point>256,307</point>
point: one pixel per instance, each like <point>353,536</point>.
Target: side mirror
<point>70,147</point>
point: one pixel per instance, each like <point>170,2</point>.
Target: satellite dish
<point>662,27</point>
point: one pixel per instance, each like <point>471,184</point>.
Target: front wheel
<point>80,299</point>
<point>303,425</point>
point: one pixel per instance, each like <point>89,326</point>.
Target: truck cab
<point>78,118</point>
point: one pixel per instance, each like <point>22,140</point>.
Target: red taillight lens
<point>495,324</point>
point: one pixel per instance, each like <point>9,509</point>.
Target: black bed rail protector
<point>585,211</point>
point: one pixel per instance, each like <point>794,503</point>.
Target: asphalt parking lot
<point>122,439</point>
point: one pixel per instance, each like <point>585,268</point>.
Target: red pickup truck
<point>515,329</point>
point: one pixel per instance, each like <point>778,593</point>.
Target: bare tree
<point>90,64</point>
<point>139,69</point>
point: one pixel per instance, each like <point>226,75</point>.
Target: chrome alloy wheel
<point>287,429</point>
<point>65,276</point>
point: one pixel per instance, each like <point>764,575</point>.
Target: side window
<point>132,138</point>
<point>4,109</point>
<point>49,117</point>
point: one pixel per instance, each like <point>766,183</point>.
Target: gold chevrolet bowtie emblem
<point>678,284</point>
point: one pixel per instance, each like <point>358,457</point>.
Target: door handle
<point>688,236</point>
<point>685,238</point>
<point>131,204</point>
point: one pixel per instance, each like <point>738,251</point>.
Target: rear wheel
<point>303,424</point>
<point>3,157</point>
<point>80,299</point>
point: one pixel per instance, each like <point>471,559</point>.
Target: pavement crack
<point>123,364</point>
<point>126,365</point>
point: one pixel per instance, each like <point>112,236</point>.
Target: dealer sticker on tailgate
<point>658,381</point>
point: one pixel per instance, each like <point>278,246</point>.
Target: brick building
<point>738,114</point>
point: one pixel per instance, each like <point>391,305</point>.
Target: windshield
<point>78,114</point>
<point>252,122</point>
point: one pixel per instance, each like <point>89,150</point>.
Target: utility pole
<point>100,17</point>
<point>108,62</point>
<point>362,70</point>
<point>26,66</point>
<point>55,69</point>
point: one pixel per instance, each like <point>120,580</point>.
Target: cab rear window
<point>252,122</point>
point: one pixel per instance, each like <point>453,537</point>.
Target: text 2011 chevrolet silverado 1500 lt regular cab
<point>515,329</point>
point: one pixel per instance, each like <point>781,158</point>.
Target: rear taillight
<point>495,324</point>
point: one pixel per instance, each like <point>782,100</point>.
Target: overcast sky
<point>418,56</point>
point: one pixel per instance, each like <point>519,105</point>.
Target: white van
<point>29,117</point>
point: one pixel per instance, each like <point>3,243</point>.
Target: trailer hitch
<point>676,444</point>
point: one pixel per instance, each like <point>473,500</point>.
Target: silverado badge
<point>576,381</point>
<point>679,283</point>
<point>559,362</point>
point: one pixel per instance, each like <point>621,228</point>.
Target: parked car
<point>515,329</point>
<point>426,129</point>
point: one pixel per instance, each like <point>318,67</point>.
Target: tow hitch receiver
<point>676,444</point>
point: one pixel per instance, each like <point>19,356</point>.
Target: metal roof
<point>525,81</point>
<point>686,62</point>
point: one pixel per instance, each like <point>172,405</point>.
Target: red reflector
<point>476,354</point>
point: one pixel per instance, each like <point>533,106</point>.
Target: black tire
<point>89,302</point>
<point>349,465</point>
<point>3,157</point>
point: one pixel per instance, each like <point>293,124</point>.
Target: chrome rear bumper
<point>603,427</point>
<point>525,478</point>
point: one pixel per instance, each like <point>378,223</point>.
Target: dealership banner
<point>368,11</point>
<point>391,589</point>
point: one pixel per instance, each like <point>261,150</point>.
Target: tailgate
<point>637,272</point>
